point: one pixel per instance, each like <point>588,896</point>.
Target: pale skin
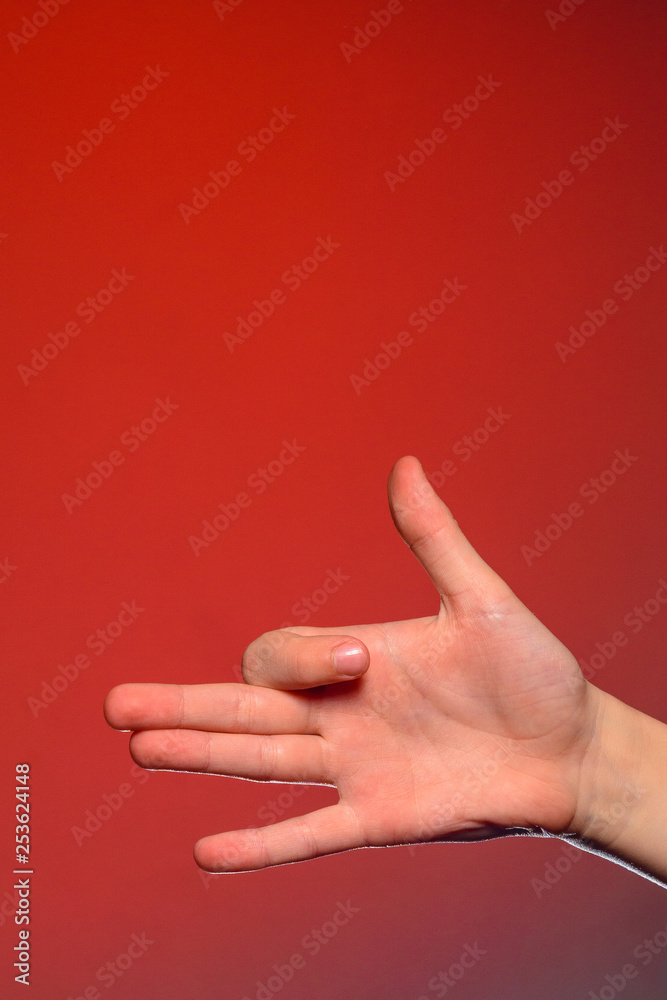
<point>458,725</point>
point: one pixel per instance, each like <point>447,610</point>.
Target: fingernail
<point>349,659</point>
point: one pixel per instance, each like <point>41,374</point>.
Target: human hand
<point>460,723</point>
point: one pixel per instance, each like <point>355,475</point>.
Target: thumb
<point>427,525</point>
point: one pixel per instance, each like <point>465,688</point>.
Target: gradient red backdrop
<point>152,99</point>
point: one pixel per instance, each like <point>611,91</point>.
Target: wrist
<point>622,802</point>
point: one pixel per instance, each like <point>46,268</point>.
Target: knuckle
<point>255,843</point>
<point>304,835</point>
<point>244,711</point>
<point>180,711</point>
<point>267,756</point>
<point>206,751</point>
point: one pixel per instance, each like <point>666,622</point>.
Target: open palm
<point>461,723</point>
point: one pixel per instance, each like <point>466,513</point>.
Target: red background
<point>323,175</point>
